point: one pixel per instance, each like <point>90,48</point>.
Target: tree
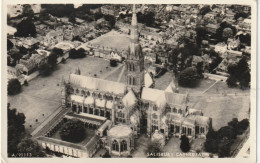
<point>227,33</point>
<point>52,59</point>
<point>212,141</point>
<point>28,11</point>
<point>188,77</point>
<point>240,72</point>
<point>113,63</point>
<point>57,51</point>
<point>224,148</point>
<point>10,45</point>
<point>201,34</point>
<point>73,131</point>
<point>242,125</point>
<point>45,69</point>
<point>14,87</point>
<point>231,81</point>
<point>240,14</point>
<point>204,10</point>
<point>80,53</point>
<point>72,18</point>
<point>185,144</point>
<point>15,127</point>
<point>98,15</point>
<point>153,149</point>
<point>25,28</point>
<point>228,132</point>
<point>28,145</point>
<point>111,20</point>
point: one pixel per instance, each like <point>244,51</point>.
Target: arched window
<point>123,145</point>
<point>174,110</point>
<point>77,91</point>
<point>154,108</point>
<point>115,146</point>
<point>180,111</point>
<point>133,67</point>
<point>133,83</point>
<point>88,93</point>
<point>83,92</point>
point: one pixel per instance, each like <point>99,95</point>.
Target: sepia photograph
<point>105,80</point>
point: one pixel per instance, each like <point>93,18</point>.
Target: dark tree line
<point>18,140</point>
<point>240,74</point>
<point>220,141</point>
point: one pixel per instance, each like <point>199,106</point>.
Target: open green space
<point>42,97</point>
<point>112,39</point>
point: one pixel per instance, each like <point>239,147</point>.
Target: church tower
<point>135,59</point>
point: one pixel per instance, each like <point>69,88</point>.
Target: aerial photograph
<point>128,80</point>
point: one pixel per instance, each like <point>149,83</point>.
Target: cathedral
<point>120,112</point>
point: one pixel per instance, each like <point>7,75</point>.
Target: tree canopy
<point>185,144</point>
<point>30,146</point>
<point>15,127</point>
<point>153,149</point>
<point>73,131</point>
<point>239,73</point>
<point>14,87</point>
<point>188,77</point>
<point>25,28</point>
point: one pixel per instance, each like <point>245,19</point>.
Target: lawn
<point>42,96</point>
<point>89,134</point>
<point>221,108</point>
<point>112,39</point>
<point>222,88</point>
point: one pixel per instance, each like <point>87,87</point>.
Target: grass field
<point>112,39</point>
<point>42,96</point>
<point>222,88</point>
<point>221,108</point>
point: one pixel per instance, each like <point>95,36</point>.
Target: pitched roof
<point>129,99</point>
<point>175,98</point>
<point>97,84</point>
<point>148,80</point>
<point>156,95</point>
<point>200,120</point>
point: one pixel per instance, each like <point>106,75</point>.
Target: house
<point>212,28</point>
<point>233,43</point>
<point>221,47</point>
<point>26,67</point>
<point>151,57</point>
<point>53,37</point>
<point>12,73</point>
<point>115,56</point>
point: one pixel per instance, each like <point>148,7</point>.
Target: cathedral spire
<point>134,29</point>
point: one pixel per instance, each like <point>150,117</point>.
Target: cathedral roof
<point>200,120</point>
<point>159,96</point>
<point>148,80</point>
<point>129,99</point>
<point>97,84</point>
